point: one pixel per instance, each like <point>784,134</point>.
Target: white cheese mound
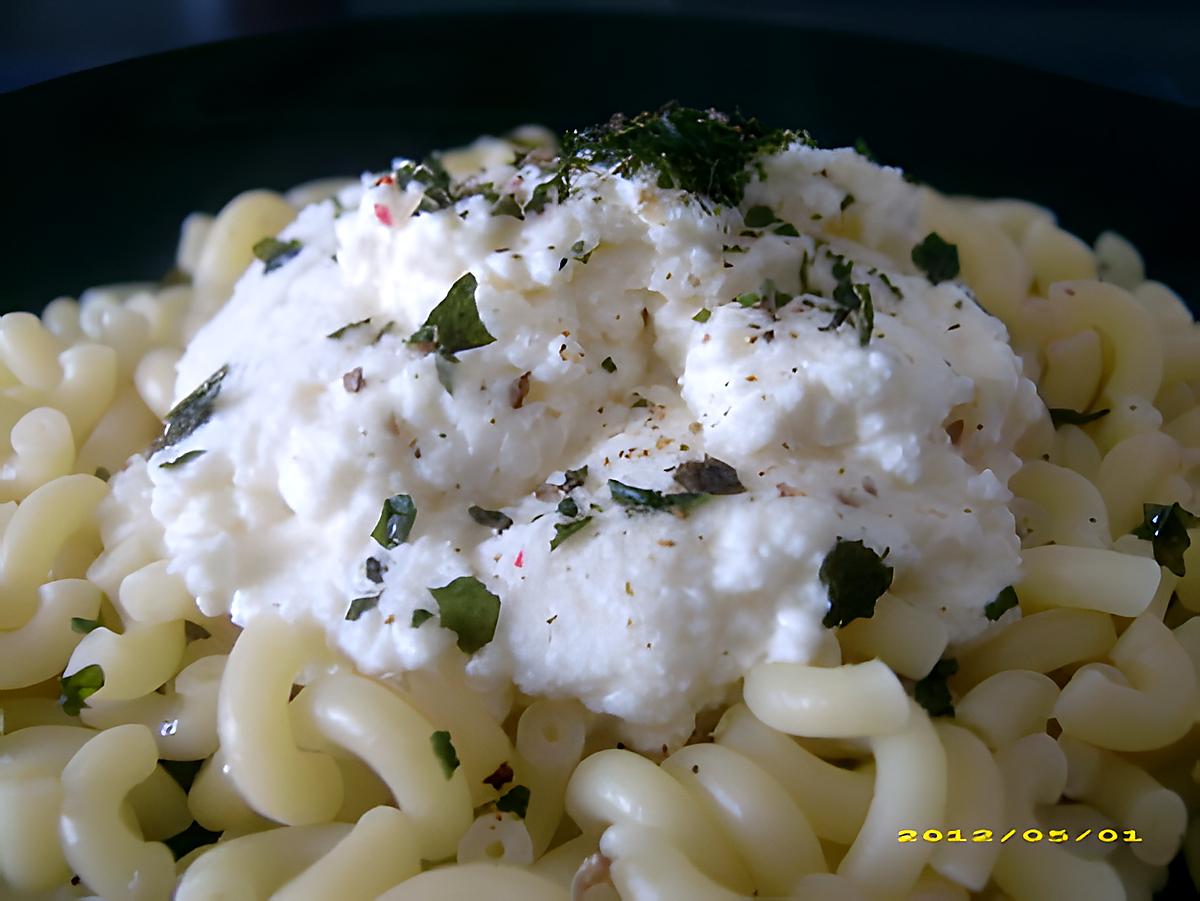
<point>644,616</point>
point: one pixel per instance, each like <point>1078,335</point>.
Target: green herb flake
<point>493,519</point>
<point>1166,526</point>
<point>359,606</point>
<point>337,333</point>
<point>419,616</point>
<point>443,750</point>
<point>78,687</point>
<point>564,530</point>
<point>608,365</point>
<point>860,146</point>
<point>787,230</point>
<point>708,476</point>
<point>568,508</point>
<point>454,324</point>
<point>936,258</point>
<point>703,316</point>
<point>933,693</point>
<point>182,459</point>
<point>748,299</point>
<point>639,500</point>
<point>191,412</point>
<point>433,179</point>
<point>103,474</point>
<point>846,201</point>
<point>1001,604</point>
<point>84,626</point>
<point>514,801</point>
<point>507,206</point>
<point>274,253</point>
<point>1061,416</point>
<point>579,253</point>
<point>855,577</point>
<point>395,521</point>
<point>760,217</point>
<point>574,478</point>
<point>732,248</point>
<point>468,610</point>
<point>882,276</point>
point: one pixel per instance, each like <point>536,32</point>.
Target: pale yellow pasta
<point>386,733</point>
<point>1119,261</point>
<point>1167,307</point>
<point>61,319</point>
<point>561,864</point>
<point>159,806</point>
<point>215,803</point>
<point>1091,578</point>
<point>861,699</point>
<point>910,787</point>
<point>155,379</point>
<point>1012,215</point>
<point>97,840</point>
<point>470,882</point>
<point>1128,795</point>
<point>1073,370</point>
<point>1185,428</point>
<point>30,351</point>
<point>1188,587</point>
<point>908,639</point>
<point>1041,642</point>
<point>621,787</point>
<point>151,595</point>
<point>646,865</point>
<point>183,721</point>
<point>496,838</point>
<point>1174,399</point>
<point>763,824</point>
<point>135,662</point>
<point>1034,772</point>
<point>1055,255</point>
<point>550,737</point>
<point>120,558</point>
<point>41,648</point>
<point>974,800</point>
<point>88,386</point>
<point>42,450</point>
<point>1132,473</point>
<point>193,235</point>
<point>1007,706</point>
<point>254,725</point>
<point>163,311</point>
<point>111,322</point>
<point>42,522</point>
<point>1075,513</point>
<point>126,428</point>
<point>1153,710</point>
<point>834,800</point>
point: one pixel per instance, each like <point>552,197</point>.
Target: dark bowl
<point>103,165</point>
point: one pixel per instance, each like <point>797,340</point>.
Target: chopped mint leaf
<point>1166,526</point>
<point>866,316</point>
<point>443,750</point>
<point>182,459</point>
<point>387,329</point>
<point>863,150</point>
<point>708,476</point>
<point>274,253</point>
<point>191,412</point>
<point>855,577</point>
<point>432,178</point>
<point>349,326</point>
<point>564,530</point>
<point>79,686</point>
<point>454,324</point>
<point>1001,604</point>
<point>732,248</point>
<point>933,693</point>
<point>639,401</point>
<point>103,474</point>
<point>846,201</point>
<point>787,230</point>
<point>891,287</point>
<point>514,801</point>
<point>1061,416</point>
<point>936,258</point>
<point>419,616</point>
<point>567,507</point>
<point>375,570</point>
<point>748,299</point>
<point>646,499</point>
<point>805,262</point>
<point>468,610</point>
<point>577,250</point>
<point>703,316</point>
<point>359,606</point>
<point>574,478</point>
<point>84,626</point>
<point>395,521</point>
<point>493,519</point>
<point>608,365</point>
<point>507,206</point>
<point>760,217</point>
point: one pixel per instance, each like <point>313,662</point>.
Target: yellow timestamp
<point>1055,836</point>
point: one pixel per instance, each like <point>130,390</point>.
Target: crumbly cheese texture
<point>904,443</point>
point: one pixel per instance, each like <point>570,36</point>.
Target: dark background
<point>1089,108</point>
<point>1149,47</point>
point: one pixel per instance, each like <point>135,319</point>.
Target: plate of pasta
<point>672,506</point>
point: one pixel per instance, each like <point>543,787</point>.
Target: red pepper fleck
<point>385,180</point>
<point>520,561</point>
<point>383,214</point>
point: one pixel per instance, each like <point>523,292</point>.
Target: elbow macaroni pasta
<point>1076,713</point>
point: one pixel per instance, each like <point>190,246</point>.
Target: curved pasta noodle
<point>97,841</point>
<point>1007,706</point>
<point>381,729</point>
<point>974,800</point>
<point>1076,513</point>
<point>499,838</point>
<point>1041,642</point>
<point>135,662</point>
<point>470,882</point>
<point>550,738</point>
<point>41,648</point>
<point>255,730</point>
<point>908,639</point>
<point>1092,578</point>
<point>815,701</point>
<point>645,866</point>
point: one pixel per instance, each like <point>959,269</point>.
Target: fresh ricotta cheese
<point>619,346</point>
